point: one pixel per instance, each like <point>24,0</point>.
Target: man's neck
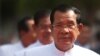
<point>63,49</point>
<point>26,44</point>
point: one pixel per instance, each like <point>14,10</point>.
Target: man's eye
<point>58,25</point>
<point>71,26</point>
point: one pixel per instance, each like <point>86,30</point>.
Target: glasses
<point>69,26</point>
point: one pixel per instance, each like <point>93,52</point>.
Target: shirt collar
<point>37,43</point>
<point>56,51</point>
<point>19,45</point>
<point>61,53</point>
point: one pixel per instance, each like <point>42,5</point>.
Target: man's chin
<point>66,43</point>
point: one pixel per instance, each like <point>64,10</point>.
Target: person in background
<point>97,45</point>
<point>43,24</point>
<point>43,30</point>
<point>27,37</point>
<point>1,40</point>
<point>85,37</point>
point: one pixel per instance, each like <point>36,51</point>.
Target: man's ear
<point>80,26</point>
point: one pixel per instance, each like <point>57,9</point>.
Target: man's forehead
<point>67,13</point>
<point>65,16</point>
<point>45,21</point>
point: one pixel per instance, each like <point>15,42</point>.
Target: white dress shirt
<point>51,50</point>
<point>35,44</point>
<point>22,52</point>
<point>9,49</point>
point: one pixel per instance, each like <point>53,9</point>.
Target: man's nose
<point>66,30</point>
<point>49,30</point>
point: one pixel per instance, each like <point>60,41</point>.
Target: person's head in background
<point>26,31</point>
<point>98,37</point>
<point>85,36</point>
<point>65,29</point>
<point>96,46</point>
<point>43,24</point>
<point>1,39</point>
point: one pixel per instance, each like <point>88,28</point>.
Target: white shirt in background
<point>9,49</point>
<point>22,52</point>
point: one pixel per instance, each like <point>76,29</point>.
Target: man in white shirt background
<point>43,24</point>
<point>65,31</point>
<point>85,38</point>
<point>43,30</point>
<point>27,37</point>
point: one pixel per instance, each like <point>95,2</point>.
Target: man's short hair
<point>39,15</point>
<point>63,8</point>
<point>22,25</point>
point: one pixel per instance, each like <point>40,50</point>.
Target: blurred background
<point>13,10</point>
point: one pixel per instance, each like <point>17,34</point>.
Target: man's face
<point>65,28</point>
<point>31,26</point>
<point>44,30</point>
<point>85,35</point>
<point>29,37</point>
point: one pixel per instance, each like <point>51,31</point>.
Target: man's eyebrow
<point>58,23</point>
<point>71,22</point>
